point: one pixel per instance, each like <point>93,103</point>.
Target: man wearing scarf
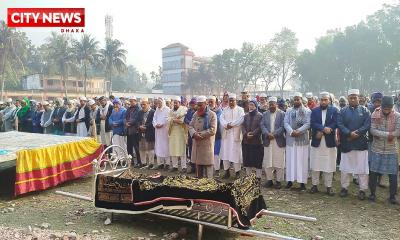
<point>274,141</point>
<point>25,116</point>
<point>45,120</point>
<point>252,148</point>
<point>14,115</point>
<point>160,124</point>
<point>297,123</point>
<point>146,129</point>
<point>57,115</point>
<point>104,113</point>
<point>68,119</point>
<point>82,118</point>
<point>354,122</point>
<point>177,135</point>
<point>116,121</point>
<point>188,118</point>
<point>231,147</point>
<point>7,115</point>
<point>385,127</point>
<point>212,103</point>
<point>323,145</point>
<point>202,129</point>
<point>94,125</point>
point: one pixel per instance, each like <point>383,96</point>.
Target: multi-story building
<point>177,60</point>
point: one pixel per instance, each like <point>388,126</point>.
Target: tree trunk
<point>84,81</point>
<point>3,73</point>
<point>110,92</point>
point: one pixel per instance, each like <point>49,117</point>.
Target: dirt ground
<point>45,215</point>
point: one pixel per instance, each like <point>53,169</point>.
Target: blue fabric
<point>36,128</point>
<point>189,116</point>
<point>316,125</point>
<point>118,119</point>
<point>383,163</point>
<point>217,146</point>
<point>356,119</point>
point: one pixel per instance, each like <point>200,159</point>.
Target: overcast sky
<point>206,26</point>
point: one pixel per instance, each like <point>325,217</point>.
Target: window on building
<point>74,84</point>
<point>50,82</point>
<point>80,84</point>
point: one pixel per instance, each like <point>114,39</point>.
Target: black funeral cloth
<point>138,193</point>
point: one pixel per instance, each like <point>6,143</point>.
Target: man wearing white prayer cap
<point>311,101</point>
<point>45,120</point>
<point>263,106</point>
<point>202,129</point>
<point>177,135</point>
<point>297,123</point>
<point>231,148</point>
<point>323,144</point>
<point>272,127</point>
<point>94,127</point>
<point>7,115</point>
<point>354,122</point>
<point>82,118</point>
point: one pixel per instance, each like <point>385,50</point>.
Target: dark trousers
<point>373,181</point>
<point>132,142</point>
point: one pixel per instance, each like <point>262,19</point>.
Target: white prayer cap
<point>232,95</point>
<point>272,99</point>
<point>91,102</point>
<point>9,100</point>
<point>1,102</point>
<point>212,98</point>
<point>297,94</point>
<point>45,103</point>
<point>201,99</point>
<point>82,98</point>
<point>263,95</point>
<point>309,95</point>
<point>176,98</point>
<point>353,92</point>
<point>132,98</point>
<point>145,99</point>
<point>324,94</point>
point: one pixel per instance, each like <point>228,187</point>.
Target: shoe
<point>138,165</point>
<point>372,197</point>
<point>174,169</point>
<point>159,167</point>
<point>278,185</point>
<point>330,192</point>
<point>289,185</point>
<point>216,174</point>
<point>393,200</point>
<point>237,175</point>
<point>302,187</point>
<point>314,189</point>
<point>344,192</point>
<point>183,170</point>
<point>269,184</point>
<point>227,174</point>
<point>150,166</point>
<point>355,181</point>
<point>361,195</point>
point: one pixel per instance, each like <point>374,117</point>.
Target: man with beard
<point>273,130</point>
<point>385,127</point>
<point>57,115</point>
<point>160,123</point>
<point>45,120</point>
<point>188,118</point>
<point>297,123</point>
<point>212,103</point>
<point>263,103</point>
<point>244,102</point>
<point>116,121</point>
<point>94,126</point>
<point>146,129</point>
<point>82,118</point>
<point>177,135</point>
<point>252,148</point>
<point>323,145</point>
<point>104,113</point>
<point>311,104</point>
<point>354,122</point>
<point>68,118</point>
<point>202,128</point>
<point>231,148</point>
<point>132,130</point>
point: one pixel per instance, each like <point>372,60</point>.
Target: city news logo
<point>70,20</point>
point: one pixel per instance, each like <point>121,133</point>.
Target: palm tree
<point>61,56</point>
<point>87,54</point>
<point>113,57</point>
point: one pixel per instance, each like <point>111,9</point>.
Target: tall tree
<point>87,54</point>
<point>113,58</point>
<point>284,54</point>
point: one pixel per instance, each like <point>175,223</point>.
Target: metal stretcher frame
<point>203,213</point>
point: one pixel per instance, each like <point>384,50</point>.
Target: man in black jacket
<point>146,129</point>
<point>132,130</point>
<point>82,118</point>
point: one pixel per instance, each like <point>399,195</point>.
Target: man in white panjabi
<point>105,110</point>
<point>160,123</point>
<point>272,127</point>
<point>82,118</point>
<point>297,123</point>
<point>323,144</point>
<point>178,133</point>
<point>231,142</point>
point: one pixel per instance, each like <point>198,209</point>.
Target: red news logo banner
<point>46,17</point>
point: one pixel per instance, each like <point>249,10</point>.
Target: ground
<point>45,215</point>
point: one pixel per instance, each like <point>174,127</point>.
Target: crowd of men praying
<point>290,140</point>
